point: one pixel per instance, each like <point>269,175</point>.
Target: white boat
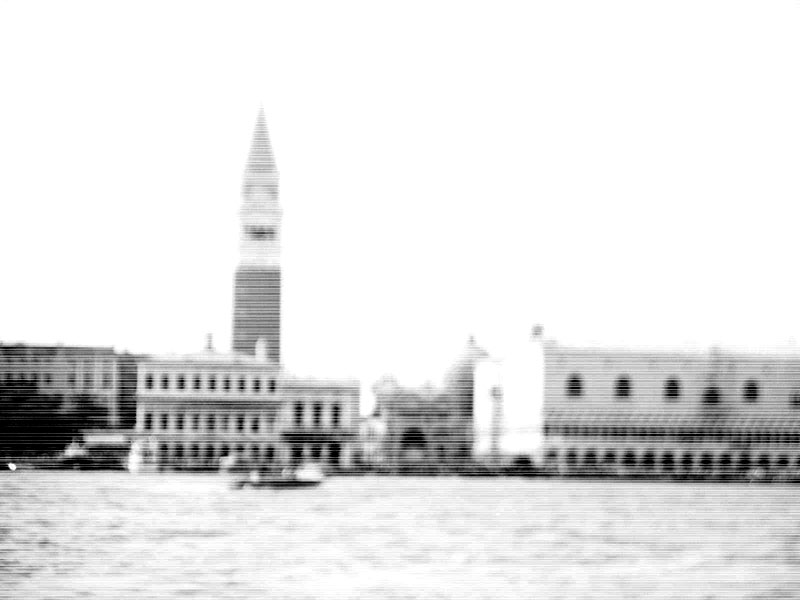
<point>307,475</point>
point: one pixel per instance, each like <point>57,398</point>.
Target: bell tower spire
<point>257,287</point>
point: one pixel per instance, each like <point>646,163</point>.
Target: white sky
<point>622,172</point>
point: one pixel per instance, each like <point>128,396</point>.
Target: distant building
<point>662,412</point>
<point>97,375</point>
<point>193,411</point>
<point>430,427</point>
<point>196,410</point>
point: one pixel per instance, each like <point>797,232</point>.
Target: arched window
<point>622,389</point>
<point>750,391</point>
<point>672,389</point>
<point>574,386</point>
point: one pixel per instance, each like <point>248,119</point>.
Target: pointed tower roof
<point>261,170</point>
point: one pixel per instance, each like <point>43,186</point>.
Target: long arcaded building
<point>670,413</point>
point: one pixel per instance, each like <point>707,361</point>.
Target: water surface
<point>115,535</point>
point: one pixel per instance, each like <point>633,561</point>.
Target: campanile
<point>257,285</point>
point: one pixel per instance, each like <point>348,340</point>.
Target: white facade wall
<point>508,404</point>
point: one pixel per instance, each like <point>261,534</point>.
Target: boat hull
<point>276,483</point>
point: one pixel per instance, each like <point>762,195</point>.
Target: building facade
<point>429,427</point>
<point>670,413</point>
<point>193,411</point>
<point>75,374</point>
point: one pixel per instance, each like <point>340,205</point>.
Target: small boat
<point>301,477</point>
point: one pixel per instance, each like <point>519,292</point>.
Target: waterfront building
<point>659,412</point>
<point>74,374</point>
<point>196,410</point>
<point>429,427</point>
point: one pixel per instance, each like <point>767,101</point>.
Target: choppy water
<point>114,535</point>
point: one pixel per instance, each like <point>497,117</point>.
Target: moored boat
<point>309,475</point>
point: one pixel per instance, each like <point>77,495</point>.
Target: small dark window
<point>240,423</point>
<point>226,384</point>
<point>271,386</point>
<point>750,391</point>
<point>622,388</point>
<point>336,415</point>
<point>242,384</point>
<point>334,452</point>
<point>256,385</point>
<point>254,425</point>
<point>223,422</point>
<point>196,382</point>
<point>148,382</point>
<point>165,382</point>
<point>574,386</point>
<point>181,382</point>
<point>794,399</point>
<point>711,396</point>
<point>148,421</point>
<point>196,422</point>
<point>48,379</point>
<point>317,414</point>
<point>179,422</point>
<point>164,421</point>
<point>672,389</point>
<point>298,414</point>
<point>212,383</point>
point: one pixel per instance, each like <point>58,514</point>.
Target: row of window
<point>209,422</point>
<point>46,379</point>
<point>210,454</point>
<point>225,383</point>
<point>57,364</point>
<point>681,435</point>
<point>242,422</point>
<point>671,461</point>
<point>671,390</point>
<point>316,414</point>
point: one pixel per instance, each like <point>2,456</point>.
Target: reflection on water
<point>109,535</point>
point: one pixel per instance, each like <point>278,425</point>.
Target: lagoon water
<point>116,535</point>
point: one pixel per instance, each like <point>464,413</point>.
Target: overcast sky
<point>621,172</point>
